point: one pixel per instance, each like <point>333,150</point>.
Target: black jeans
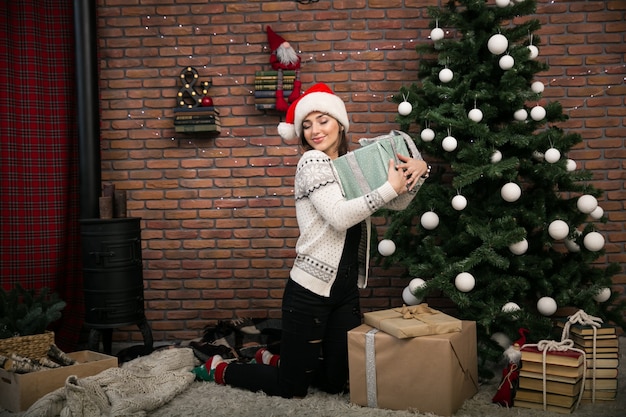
<point>314,342</point>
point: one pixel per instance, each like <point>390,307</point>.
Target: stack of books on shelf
<point>563,372</point>
<point>197,119</point>
<point>606,360</point>
<point>265,84</point>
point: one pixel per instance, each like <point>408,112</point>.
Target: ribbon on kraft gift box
<point>412,321</point>
<point>365,168</point>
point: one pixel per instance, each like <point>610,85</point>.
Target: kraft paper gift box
<point>412,321</point>
<point>433,374</point>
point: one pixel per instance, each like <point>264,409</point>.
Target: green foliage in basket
<point>24,312</point>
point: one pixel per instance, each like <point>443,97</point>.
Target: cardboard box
<point>20,391</point>
<point>433,374</point>
<point>421,320</point>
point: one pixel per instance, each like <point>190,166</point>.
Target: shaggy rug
<point>208,399</point>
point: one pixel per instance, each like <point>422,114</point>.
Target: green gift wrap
<point>365,169</point>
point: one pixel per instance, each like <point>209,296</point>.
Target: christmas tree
<point>505,227</point>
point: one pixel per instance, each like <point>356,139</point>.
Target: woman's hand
<point>396,178</point>
<point>413,170</point>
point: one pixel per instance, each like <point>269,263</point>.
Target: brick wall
<point>218,224</point>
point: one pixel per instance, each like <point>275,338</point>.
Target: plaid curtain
<point>39,232</point>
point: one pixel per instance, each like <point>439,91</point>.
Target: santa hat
<point>317,98</point>
<point>274,39</point>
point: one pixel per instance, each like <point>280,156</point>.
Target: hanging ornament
<point>464,282</point>
<point>427,134</point>
<point>429,220</point>
<point>386,247</point>
<point>415,284</point>
<point>437,33</point>
<point>496,157</point>
<point>586,203</point>
<point>405,108</point>
<point>497,44</point>
<point>449,143</point>
<point>537,87</point>
<point>459,202</point>
<point>593,241</point>
<point>446,75</point>
<point>506,62</point>
<point>597,213</point>
<point>570,165</point>
<point>519,248</point>
<point>558,230</point>
<point>408,298</point>
<point>546,306</point>
<point>475,115</point>
<point>503,3</point>
<point>510,192</point>
<point>571,244</point>
<point>537,113</point>
<point>603,295</point>
<point>510,307</point>
<point>533,51</point>
<point>552,155</point>
<point>520,115</point>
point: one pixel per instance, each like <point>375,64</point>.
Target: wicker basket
<point>33,346</point>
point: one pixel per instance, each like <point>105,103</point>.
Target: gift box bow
<point>418,312</point>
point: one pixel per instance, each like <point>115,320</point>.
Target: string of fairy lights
<point>226,79</point>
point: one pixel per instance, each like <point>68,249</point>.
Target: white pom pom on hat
<point>317,98</point>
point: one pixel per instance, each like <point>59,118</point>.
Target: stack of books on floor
<point>265,84</point>
<point>606,360</point>
<point>563,371</point>
<point>197,119</point>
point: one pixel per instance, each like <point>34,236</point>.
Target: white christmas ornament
<point>537,87</point>
<point>429,220</point>
<point>506,62</point>
<point>593,241</point>
<point>537,113</point>
<point>546,306</point>
<point>586,203</point>
<point>510,307</point>
<point>571,244</point>
<point>558,230</point>
<point>405,108</point>
<point>533,51</point>
<point>597,213</point>
<point>519,248</point>
<point>570,165</point>
<point>449,143</point>
<point>475,115</point>
<point>503,3</point>
<point>464,282</point>
<point>386,247</point>
<point>497,44</point>
<point>408,298</point>
<point>552,155</point>
<point>436,34</point>
<point>496,157</point>
<point>459,202</point>
<point>603,295</point>
<point>446,75</point>
<point>415,284</point>
<point>427,134</point>
<point>510,192</point>
<point>520,115</point>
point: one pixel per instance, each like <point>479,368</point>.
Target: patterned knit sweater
<point>324,216</point>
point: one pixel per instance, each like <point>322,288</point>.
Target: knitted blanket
<point>133,389</point>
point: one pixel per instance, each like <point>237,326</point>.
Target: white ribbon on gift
<point>546,346</point>
<point>370,368</point>
<point>584,319</point>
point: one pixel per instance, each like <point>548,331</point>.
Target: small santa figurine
<point>284,58</point>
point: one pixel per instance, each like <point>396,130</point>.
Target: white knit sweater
<point>324,216</point>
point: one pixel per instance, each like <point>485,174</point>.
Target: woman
<point>321,298</point>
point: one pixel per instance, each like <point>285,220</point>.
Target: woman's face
<point>322,132</point>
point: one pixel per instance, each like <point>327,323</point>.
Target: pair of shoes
<point>206,371</point>
<point>203,350</point>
